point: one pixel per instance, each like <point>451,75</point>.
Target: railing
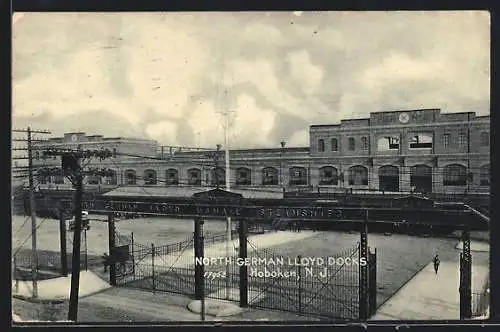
<point>480,303</point>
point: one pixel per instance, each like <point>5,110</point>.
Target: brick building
<point>423,150</point>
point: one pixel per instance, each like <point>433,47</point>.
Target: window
<point>298,176</point>
<point>269,176</point>
<point>96,180</point>
<point>111,180</point>
<point>243,176</point>
<point>37,155</point>
<point>388,143</point>
<point>421,141</point>
<point>358,176</point>
<point>446,141</point>
<point>364,143</point>
<point>328,175</point>
<point>130,177</point>
<point>59,178</point>
<point>321,145</point>
<point>335,144</point>
<point>484,175</point>
<point>485,138</point>
<point>218,176</point>
<point>150,177</point>
<point>462,141</point>
<point>455,175</point>
<point>172,177</point>
<point>352,144</point>
<point>114,152</point>
<point>194,177</point>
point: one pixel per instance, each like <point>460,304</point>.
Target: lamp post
<point>283,143</point>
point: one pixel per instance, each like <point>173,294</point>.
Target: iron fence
<point>480,302</point>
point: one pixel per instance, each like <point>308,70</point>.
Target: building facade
<point>401,151</point>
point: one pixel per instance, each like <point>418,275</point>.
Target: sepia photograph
<point>285,166</point>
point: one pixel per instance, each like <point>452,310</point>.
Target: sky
<point>168,76</point>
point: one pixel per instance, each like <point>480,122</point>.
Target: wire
<point>22,226</point>
<point>29,237</point>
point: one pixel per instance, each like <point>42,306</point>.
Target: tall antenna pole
<point>34,256</point>
<point>228,188</point>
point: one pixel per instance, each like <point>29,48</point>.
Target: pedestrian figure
<point>436,263</point>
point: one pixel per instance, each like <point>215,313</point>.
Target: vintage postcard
<point>250,166</point>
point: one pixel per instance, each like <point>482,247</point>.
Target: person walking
<point>436,263</point>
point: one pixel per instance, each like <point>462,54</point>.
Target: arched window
<point>243,176</point>
<point>454,175</point>
<point>328,175</point>
<point>335,144</point>
<point>111,180</point>
<point>171,177</point>
<point>298,176</point>
<point>150,177</point>
<point>218,175</point>
<point>130,177</point>
<point>194,177</point>
<point>321,145</point>
<point>485,138</point>
<point>358,176</point>
<point>388,178</point>
<point>269,176</point>
<point>484,175</point>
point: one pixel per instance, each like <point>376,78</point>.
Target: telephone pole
<point>34,254</point>
<point>71,162</point>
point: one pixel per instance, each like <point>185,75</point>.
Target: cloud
<point>163,131</point>
<point>133,74</point>
<point>303,71</point>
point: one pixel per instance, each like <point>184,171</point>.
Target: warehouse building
<point>421,150</point>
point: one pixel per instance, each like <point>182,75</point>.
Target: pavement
<point>431,296</point>
<point>218,250</point>
<point>59,288</point>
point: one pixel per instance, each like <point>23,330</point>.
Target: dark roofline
<point>362,119</point>
<point>453,113</point>
<point>298,149</point>
<point>412,110</point>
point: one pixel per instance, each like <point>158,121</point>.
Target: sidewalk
<point>431,296</point>
<point>59,288</point>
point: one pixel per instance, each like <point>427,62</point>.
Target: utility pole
<point>34,254</point>
<point>72,167</point>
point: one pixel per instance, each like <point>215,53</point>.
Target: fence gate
<point>329,290</point>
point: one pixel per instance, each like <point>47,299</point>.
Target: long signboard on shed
<point>430,216</point>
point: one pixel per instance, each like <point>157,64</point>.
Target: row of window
<point>417,141</point>
<point>453,175</point>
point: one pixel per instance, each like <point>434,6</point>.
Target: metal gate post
<point>153,265</point>
<point>300,282</point>
<point>466,277</point>
<point>243,231</point>
<point>363,271</point>
<point>133,252</point>
<point>372,282</point>
<point>112,244</point>
<point>198,267</point>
